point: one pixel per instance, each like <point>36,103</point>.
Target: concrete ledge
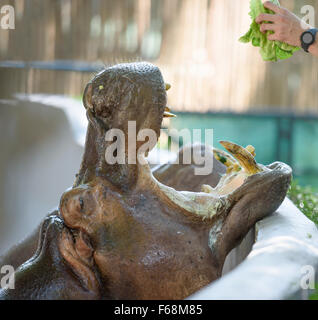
<point>286,241</point>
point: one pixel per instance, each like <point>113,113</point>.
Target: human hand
<point>287,27</point>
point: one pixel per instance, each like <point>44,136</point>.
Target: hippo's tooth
<point>168,86</point>
<point>168,114</point>
<point>223,157</point>
<point>243,156</point>
<point>251,149</point>
<point>227,160</point>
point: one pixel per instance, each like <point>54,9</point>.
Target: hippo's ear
<point>48,275</point>
<point>87,97</point>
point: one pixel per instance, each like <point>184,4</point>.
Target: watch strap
<point>305,45</point>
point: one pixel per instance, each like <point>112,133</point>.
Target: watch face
<point>308,38</point>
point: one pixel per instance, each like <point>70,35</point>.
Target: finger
<point>271,6</point>
<point>267,26</point>
<point>266,17</point>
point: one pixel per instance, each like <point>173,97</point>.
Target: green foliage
<point>305,199</point>
<point>314,296</point>
<point>269,50</point>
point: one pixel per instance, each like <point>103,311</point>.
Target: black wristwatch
<point>308,38</point>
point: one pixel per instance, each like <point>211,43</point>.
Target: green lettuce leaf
<point>269,50</point>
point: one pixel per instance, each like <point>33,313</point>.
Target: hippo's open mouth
<point>244,176</point>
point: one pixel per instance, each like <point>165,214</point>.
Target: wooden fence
<point>194,42</point>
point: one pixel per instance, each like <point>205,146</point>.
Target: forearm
<point>313,49</point>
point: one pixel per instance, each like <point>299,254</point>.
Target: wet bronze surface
<point>119,235</point>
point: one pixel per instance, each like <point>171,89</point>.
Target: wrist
<point>313,49</point>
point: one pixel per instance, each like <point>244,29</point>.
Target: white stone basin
<point>286,245</point>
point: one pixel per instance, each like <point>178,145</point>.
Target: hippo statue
<point>124,231</point>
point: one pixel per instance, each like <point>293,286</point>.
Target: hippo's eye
<point>81,201</point>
